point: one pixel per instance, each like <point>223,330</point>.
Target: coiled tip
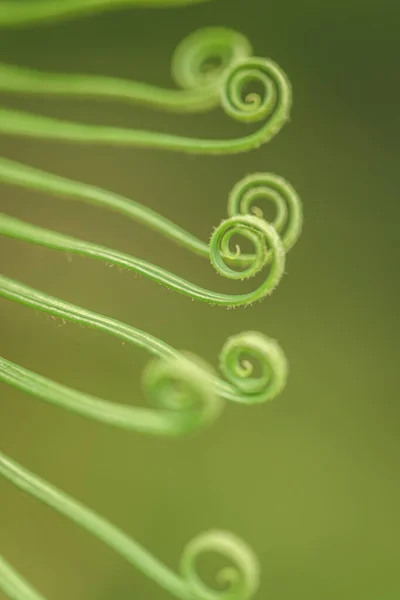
<point>204,56</point>
<point>267,187</point>
<point>267,248</point>
<point>186,398</point>
<point>257,89</point>
<point>240,580</point>
<point>255,365</point>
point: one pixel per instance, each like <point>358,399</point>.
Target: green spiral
<point>242,577</point>
<point>199,64</point>
<point>271,106</point>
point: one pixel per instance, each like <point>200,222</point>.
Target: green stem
<point>242,200</point>
<point>14,585</point>
<point>199,65</point>
<point>259,232</point>
<point>25,12</point>
<point>20,175</point>
<point>241,386</point>
<point>273,108</point>
<point>186,586</point>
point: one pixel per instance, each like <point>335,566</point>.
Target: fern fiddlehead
<point>266,241</point>
<point>242,578</point>
<point>273,107</point>
<point>241,386</point>
<point>198,66</point>
<point>243,200</point>
<point>181,409</point>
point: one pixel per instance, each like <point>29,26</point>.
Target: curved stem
<point>26,12</point>
<point>244,574</point>
<point>20,175</point>
<point>273,109</point>
<point>19,80</point>
<point>199,65</point>
<point>94,524</point>
<point>267,351</point>
<point>17,229</point>
<point>14,585</point>
<point>22,124</point>
<point>155,422</point>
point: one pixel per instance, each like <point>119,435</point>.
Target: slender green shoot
<point>244,199</point>
<point>238,358</point>
<point>199,64</point>
<point>272,106</point>
<point>265,239</point>
<point>27,12</point>
<point>242,577</point>
<point>14,585</point>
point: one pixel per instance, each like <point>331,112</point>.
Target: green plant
<point>186,392</point>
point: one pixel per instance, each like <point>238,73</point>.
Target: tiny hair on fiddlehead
<point>272,107</point>
<point>243,199</point>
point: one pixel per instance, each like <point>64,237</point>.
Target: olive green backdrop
<point>311,480</point>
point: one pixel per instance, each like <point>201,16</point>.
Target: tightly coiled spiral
<point>266,243</point>
<point>198,66</point>
<point>264,237</point>
<point>203,57</point>
<point>268,187</point>
<point>238,99</point>
<point>241,579</point>
<point>178,387</point>
<point>255,366</point>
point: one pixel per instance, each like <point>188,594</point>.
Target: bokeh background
<point>310,480</point>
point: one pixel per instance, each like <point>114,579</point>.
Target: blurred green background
<point>311,480</point>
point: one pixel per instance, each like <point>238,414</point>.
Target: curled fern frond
<point>184,401</point>
<point>242,578</point>
<point>270,188</point>
<point>198,67</point>
<point>266,242</point>
<point>272,106</point>
<point>264,187</point>
<point>240,356</point>
<point>26,12</point>
<point>236,359</point>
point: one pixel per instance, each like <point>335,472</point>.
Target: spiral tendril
<point>273,106</point>
<point>242,578</point>
<point>266,242</point>
<point>180,388</point>
<point>198,66</point>
<point>241,386</point>
<point>239,358</point>
<point>259,186</point>
<point>276,190</point>
<point>184,400</point>
<point>204,56</point>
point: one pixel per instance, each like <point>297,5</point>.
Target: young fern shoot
<point>198,66</point>
<point>273,108</point>
<point>243,200</point>
<point>212,67</point>
<point>266,241</point>
<point>244,574</point>
<point>242,385</point>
